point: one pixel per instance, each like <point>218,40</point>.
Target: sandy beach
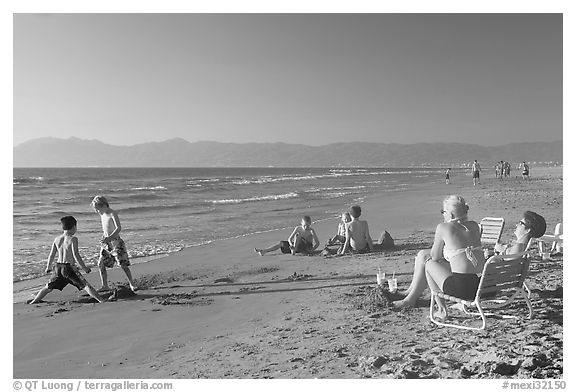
<point>222,311</point>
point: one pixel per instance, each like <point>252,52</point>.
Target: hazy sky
<point>296,78</point>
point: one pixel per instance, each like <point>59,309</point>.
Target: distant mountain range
<point>74,152</point>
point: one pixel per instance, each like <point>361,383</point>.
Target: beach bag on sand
<point>386,241</point>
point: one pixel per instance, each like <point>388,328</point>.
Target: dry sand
<point>222,311</point>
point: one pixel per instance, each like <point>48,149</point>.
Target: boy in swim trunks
<point>112,247</point>
<point>340,236</point>
<point>476,172</point>
<point>358,238</point>
<point>65,271</point>
<point>525,170</point>
<point>302,240</point>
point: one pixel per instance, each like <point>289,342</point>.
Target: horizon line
<point>280,142</point>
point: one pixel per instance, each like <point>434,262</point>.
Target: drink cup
<point>546,256</point>
<point>380,277</point>
<point>392,285</point>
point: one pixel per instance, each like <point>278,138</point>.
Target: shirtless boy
<point>357,233</point>
<point>64,271</point>
<point>476,172</point>
<point>112,247</point>
<point>302,240</point>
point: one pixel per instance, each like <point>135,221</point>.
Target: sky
<point>315,79</point>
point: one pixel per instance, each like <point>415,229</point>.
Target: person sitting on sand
<point>302,240</point>
<point>453,262</point>
<point>357,234</point>
<point>64,271</point>
<point>340,236</point>
<point>532,225</point>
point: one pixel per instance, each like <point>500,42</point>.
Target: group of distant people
<point>502,170</point>
<point>353,235</point>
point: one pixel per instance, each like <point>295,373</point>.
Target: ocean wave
<point>338,188</point>
<point>149,188</point>
<point>28,180</point>
<point>333,173</point>
<point>290,195</point>
<point>334,195</point>
<point>157,207</point>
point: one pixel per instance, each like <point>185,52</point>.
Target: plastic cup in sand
<point>546,256</point>
<point>380,277</point>
<point>393,283</point>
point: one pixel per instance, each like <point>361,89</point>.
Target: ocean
<point>163,210</point>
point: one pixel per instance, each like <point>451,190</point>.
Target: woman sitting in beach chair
<point>530,226</point>
<point>456,257</point>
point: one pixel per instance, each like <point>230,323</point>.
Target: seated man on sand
<point>357,234</point>
<point>455,260</point>
<point>302,240</point>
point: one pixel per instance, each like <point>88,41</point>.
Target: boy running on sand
<point>64,271</point>
<point>113,249</point>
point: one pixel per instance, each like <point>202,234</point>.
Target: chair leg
<point>526,296</point>
<point>444,324</point>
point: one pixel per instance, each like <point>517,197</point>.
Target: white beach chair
<point>557,239</point>
<point>491,230</point>
<point>503,279</point>
<point>490,233</point>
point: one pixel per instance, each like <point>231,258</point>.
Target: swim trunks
<point>303,246</point>
<point>461,285</point>
<point>64,274</point>
<point>476,174</point>
<point>114,252</point>
<point>524,172</point>
<point>447,176</point>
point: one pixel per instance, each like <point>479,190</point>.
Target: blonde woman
<point>455,260</point>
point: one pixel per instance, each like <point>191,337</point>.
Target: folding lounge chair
<point>491,230</point>
<point>502,280</point>
<point>556,239</point>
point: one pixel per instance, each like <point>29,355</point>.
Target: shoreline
<point>281,315</point>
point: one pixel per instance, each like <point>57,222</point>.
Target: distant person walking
<point>448,176</point>
<point>507,169</point>
<point>525,170</point>
<point>476,172</point>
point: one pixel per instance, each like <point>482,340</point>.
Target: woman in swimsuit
<point>455,259</point>
<point>532,225</point>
